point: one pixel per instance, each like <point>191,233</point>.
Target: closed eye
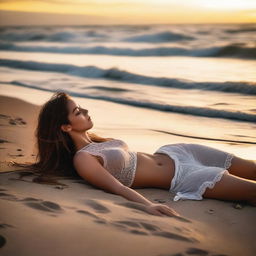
<point>79,112</point>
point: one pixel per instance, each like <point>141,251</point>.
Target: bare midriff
<point>155,170</point>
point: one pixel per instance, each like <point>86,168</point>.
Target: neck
<point>80,139</point>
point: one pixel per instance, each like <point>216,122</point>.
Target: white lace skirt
<point>197,167</point>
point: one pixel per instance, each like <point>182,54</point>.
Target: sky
<point>82,12</point>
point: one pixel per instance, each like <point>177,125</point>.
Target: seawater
<point>196,70</point>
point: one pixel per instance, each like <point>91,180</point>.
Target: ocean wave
<point>160,37</point>
<point>49,35</point>
<point>37,36</point>
<point>72,34</point>
<point>231,50</point>
<point>128,77</point>
<point>159,51</point>
<point>234,50</point>
<point>190,110</point>
<point>241,30</point>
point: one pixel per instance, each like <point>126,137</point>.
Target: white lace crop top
<point>118,160</point>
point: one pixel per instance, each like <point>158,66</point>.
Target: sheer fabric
<point>197,167</point>
<point>118,160</point>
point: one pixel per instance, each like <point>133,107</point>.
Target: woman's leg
<point>233,188</point>
<point>243,168</point>
<point>210,156</point>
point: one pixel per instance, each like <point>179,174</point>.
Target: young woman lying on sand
<point>191,171</point>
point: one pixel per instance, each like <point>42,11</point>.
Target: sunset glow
<point>144,11</point>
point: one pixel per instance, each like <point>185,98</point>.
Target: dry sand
<point>78,219</point>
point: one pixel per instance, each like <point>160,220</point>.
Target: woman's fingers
<point>162,210</point>
<point>155,211</point>
<point>168,211</point>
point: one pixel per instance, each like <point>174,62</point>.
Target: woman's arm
<point>152,208</point>
<point>91,170</point>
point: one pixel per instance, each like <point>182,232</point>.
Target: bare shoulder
<point>84,157</point>
<point>80,155</point>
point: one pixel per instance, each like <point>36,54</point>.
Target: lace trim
<point>201,190</point>
<point>102,145</point>
<point>228,161</point>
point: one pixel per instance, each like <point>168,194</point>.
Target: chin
<point>90,127</point>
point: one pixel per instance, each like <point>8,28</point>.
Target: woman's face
<point>78,117</point>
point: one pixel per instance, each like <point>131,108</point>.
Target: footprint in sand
<point>174,236</point>
<point>17,121</point>
<point>139,228</point>
<point>98,219</point>
<point>145,228</point>
<point>8,197</point>
<point>124,224</point>
<point>41,205</point>
<point>88,213</point>
<point>98,207</point>
<point>119,224</point>
<point>13,121</point>
<point>134,226</point>
<point>150,227</point>
<point>101,221</point>
<point>34,203</point>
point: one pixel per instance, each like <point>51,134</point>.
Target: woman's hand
<point>161,210</point>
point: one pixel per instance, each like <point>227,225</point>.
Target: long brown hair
<point>55,147</point>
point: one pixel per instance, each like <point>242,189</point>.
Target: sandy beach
<point>75,218</point>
